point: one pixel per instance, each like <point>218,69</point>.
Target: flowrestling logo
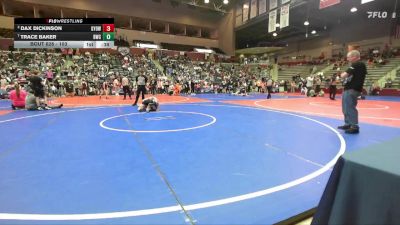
<point>380,15</point>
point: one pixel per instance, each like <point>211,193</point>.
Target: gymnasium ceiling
<point>255,32</point>
<point>212,6</point>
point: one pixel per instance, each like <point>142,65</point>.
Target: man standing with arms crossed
<point>141,81</point>
<point>353,84</point>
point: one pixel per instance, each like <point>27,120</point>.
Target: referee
<point>141,81</point>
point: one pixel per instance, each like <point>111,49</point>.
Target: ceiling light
<point>226,2</point>
<point>245,6</point>
<point>277,25</point>
<point>306,23</point>
<point>354,9</point>
<point>366,1</point>
<point>313,32</point>
<point>206,1</point>
<point>274,34</point>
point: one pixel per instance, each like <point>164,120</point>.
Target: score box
<point>89,44</point>
<point>108,27</point>
<point>104,44</point>
<point>108,36</point>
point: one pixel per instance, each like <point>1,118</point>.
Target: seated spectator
<point>375,89</point>
<point>240,92</point>
<point>311,93</point>
<point>3,83</point>
<point>69,88</point>
<point>388,83</point>
<point>171,89</point>
<point>381,61</point>
<point>17,97</point>
<point>370,63</point>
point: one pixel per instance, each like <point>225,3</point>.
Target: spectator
<point>126,88</point>
<point>388,83</point>
<point>17,97</point>
<point>269,87</point>
<point>309,84</point>
<point>332,86</point>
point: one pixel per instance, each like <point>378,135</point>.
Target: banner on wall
<point>327,3</point>
<point>253,9</point>
<point>246,11</point>
<point>284,1</point>
<point>273,4</point>
<point>284,16</point>
<point>272,21</point>
<point>262,6</point>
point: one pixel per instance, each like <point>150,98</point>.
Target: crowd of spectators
<point>75,73</point>
<point>82,74</point>
<point>207,77</point>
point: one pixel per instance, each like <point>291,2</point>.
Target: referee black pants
<point>140,89</point>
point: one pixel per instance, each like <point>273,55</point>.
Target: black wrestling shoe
<point>352,130</point>
<point>344,127</point>
<point>134,104</point>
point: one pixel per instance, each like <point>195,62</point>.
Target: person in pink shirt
<point>49,75</point>
<point>17,97</point>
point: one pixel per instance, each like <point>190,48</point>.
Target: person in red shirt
<point>17,97</point>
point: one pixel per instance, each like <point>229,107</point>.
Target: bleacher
<point>396,81</point>
<point>287,72</point>
<point>375,73</point>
